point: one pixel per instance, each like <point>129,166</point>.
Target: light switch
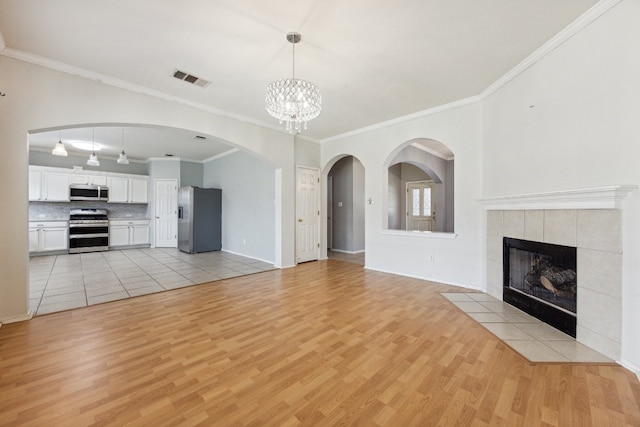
<point>339,204</point>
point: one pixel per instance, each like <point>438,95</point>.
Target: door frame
<point>155,201</point>
<point>317,204</point>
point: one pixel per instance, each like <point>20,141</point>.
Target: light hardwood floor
<point>325,343</point>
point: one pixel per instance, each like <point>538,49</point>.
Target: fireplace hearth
<point>541,280</point>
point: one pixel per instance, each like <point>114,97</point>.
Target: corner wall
<point>571,121</point>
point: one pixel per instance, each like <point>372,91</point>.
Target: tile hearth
<point>533,339</point>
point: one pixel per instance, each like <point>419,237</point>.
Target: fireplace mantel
<point>610,197</point>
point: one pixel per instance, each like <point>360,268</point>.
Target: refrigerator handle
<point>179,212</point>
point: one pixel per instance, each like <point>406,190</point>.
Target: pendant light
<point>59,149</point>
<point>93,159</point>
<point>292,100</point>
<point>123,156</point>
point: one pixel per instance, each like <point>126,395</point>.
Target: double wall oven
<point>88,230</point>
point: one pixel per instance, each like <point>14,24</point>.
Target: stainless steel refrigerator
<point>199,219</point>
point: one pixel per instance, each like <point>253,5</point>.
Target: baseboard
<point>15,319</point>
<point>428,279</point>
<point>247,256</point>
<point>347,252</point>
<point>631,366</point>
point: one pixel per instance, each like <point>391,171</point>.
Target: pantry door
<point>166,213</point>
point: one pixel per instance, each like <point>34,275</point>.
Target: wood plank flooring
<point>326,343</point>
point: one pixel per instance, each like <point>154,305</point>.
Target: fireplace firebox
<point>541,280</point>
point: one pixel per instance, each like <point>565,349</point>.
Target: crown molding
<point>556,41</point>
<point>121,84</point>
<point>221,155</point>
<point>587,198</point>
<point>435,110</point>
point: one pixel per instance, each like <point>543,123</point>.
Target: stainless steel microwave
<point>89,192</point>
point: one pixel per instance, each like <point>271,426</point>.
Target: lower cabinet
<point>128,233</point>
<point>48,236</point>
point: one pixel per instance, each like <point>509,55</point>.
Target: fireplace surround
<point>589,220</point>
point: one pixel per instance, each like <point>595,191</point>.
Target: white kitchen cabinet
<point>128,233</point>
<point>48,236</point>
<point>127,190</point>
<point>78,178</point>
<point>47,185</point>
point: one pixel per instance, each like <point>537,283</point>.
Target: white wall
<point>248,194</point>
<point>459,258</point>
<point>572,121</point>
<point>40,98</point>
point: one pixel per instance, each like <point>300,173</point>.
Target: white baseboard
<point>247,256</point>
<point>631,366</point>
<point>347,252</point>
<point>15,319</point>
<point>428,279</point>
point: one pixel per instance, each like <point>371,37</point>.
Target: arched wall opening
<point>420,193</point>
<point>246,178</point>
<point>344,204</point>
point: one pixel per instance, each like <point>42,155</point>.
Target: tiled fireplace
<point>589,221</point>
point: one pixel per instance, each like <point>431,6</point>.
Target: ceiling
<point>373,60</point>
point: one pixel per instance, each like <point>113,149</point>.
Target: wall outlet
<point>431,257</point>
<point>339,204</point>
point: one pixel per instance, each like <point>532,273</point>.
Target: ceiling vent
<point>189,78</point>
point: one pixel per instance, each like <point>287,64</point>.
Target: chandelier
<point>293,101</point>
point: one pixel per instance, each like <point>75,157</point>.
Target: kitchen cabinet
<point>48,236</point>
<point>127,190</point>
<point>77,178</point>
<point>128,233</point>
<point>48,186</point>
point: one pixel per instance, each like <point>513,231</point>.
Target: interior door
<point>421,212</point>
<point>166,213</point>
<point>307,214</point>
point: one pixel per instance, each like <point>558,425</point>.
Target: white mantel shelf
<point>588,198</point>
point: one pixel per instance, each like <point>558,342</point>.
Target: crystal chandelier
<point>293,101</point>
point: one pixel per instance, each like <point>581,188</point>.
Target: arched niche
<point>419,170</point>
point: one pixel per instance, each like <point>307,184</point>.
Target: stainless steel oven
<point>88,230</point>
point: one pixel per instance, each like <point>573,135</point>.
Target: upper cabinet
<point>48,186</point>
<point>127,189</point>
<point>78,178</point>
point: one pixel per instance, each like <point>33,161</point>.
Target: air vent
<point>189,78</point>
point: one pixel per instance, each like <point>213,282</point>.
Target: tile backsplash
<point>60,211</point>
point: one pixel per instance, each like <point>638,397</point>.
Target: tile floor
<point>532,338</point>
<point>62,282</point>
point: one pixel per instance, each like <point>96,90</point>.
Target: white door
<point>166,212</point>
<point>307,214</point>
<point>421,214</point>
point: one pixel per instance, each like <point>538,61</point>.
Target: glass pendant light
<point>93,159</point>
<point>123,156</point>
<point>59,149</point>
